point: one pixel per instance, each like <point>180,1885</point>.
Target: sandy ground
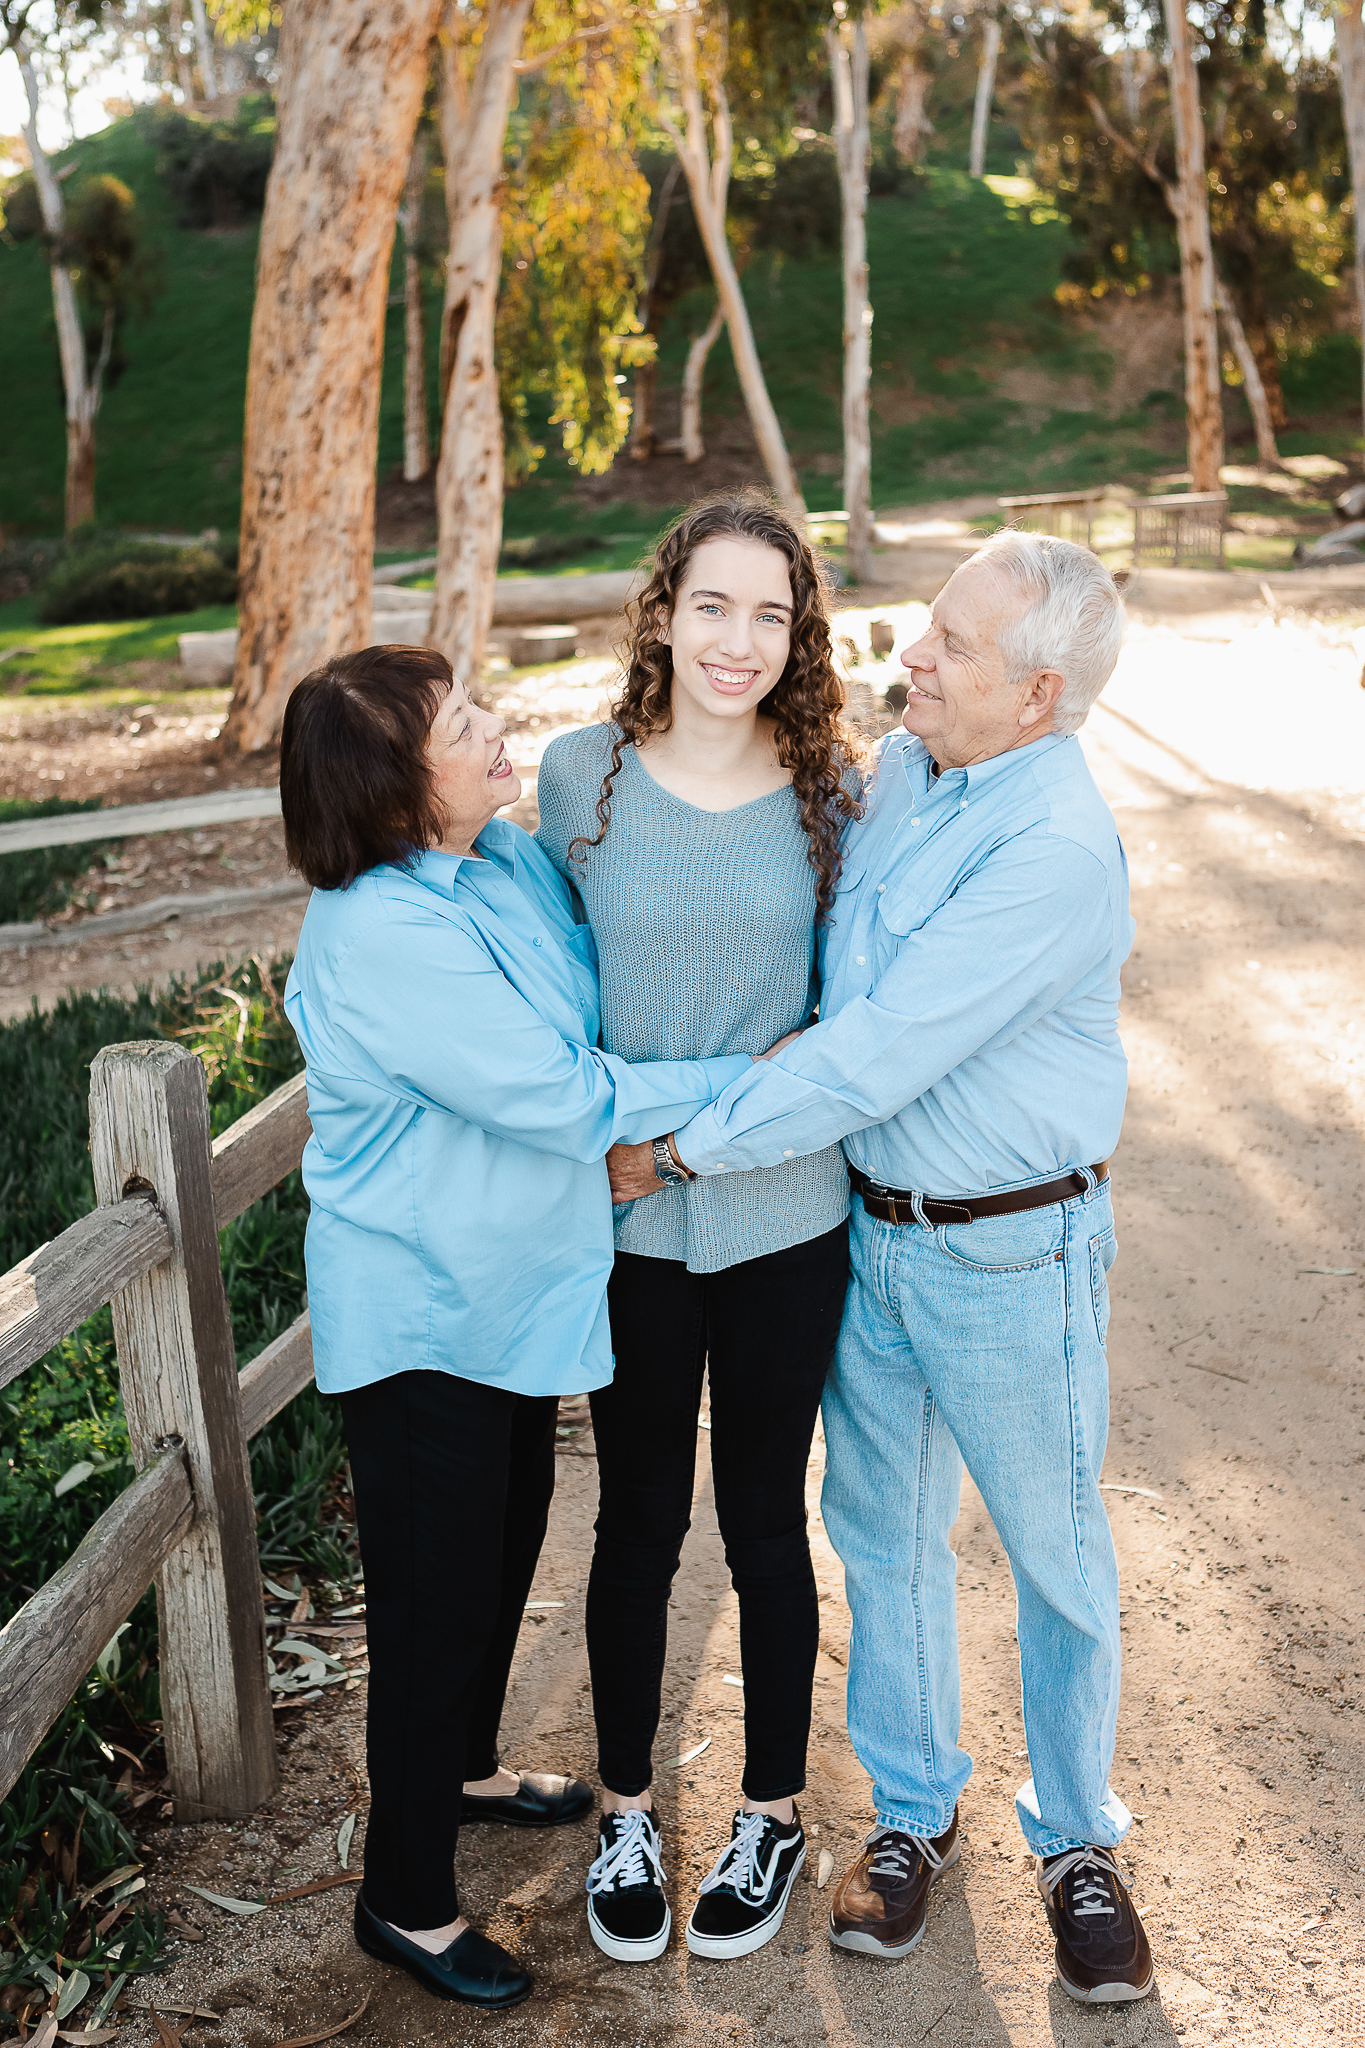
<point>1233,750</point>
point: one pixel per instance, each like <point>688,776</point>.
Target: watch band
<point>666,1167</point>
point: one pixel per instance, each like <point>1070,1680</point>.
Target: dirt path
<point>1235,759</point>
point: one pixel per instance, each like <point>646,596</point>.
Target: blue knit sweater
<point>705,930</point>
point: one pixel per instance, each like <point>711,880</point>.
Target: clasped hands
<point>630,1168</point>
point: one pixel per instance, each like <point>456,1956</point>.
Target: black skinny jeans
<point>768,1329</point>
<point>452,1493</point>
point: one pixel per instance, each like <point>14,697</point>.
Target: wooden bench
<point>1068,514</point>
<point>1187,526</point>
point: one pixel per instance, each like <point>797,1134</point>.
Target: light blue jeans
<point>981,1342</point>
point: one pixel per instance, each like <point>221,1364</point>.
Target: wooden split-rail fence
<point>188,1519</point>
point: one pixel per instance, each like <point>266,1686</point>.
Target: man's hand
<point>630,1169</point>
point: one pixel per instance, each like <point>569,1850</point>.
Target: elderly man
<point>968,1054</point>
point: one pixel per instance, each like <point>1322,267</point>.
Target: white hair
<point>1074,621</point>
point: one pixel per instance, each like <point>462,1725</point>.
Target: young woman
<point>459,1240</point>
<point>702,829</point>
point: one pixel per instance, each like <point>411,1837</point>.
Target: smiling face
<point>961,702</point>
<point>731,629</point>
<point>469,767</point>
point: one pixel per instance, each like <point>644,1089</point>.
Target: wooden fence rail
<point>187,1519</point>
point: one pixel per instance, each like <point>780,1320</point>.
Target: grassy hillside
<point>963,277</point>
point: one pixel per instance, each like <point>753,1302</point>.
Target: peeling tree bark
<point>700,347</point>
<point>83,389</point>
<point>1350,33</point>
<point>1189,201</point>
<point>708,182</point>
<point>416,446</point>
<point>474,114</point>
<point>351,84</point>
<point>848,63</point>
<point>985,93</point>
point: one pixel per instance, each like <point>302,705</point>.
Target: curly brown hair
<point>805,704</point>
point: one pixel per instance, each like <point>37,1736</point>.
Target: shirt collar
<point>441,872</point>
<point>916,755</point>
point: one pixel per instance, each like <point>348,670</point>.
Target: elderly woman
<point>459,1242</point>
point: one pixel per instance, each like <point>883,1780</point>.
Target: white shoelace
<point>737,1868</point>
<point>1092,1896</point>
<point>629,1859</point>
<point>895,1857</point>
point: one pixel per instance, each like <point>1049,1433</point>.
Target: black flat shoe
<point>473,1969</point>
<point>541,1800</point>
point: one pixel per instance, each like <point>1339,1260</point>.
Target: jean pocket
<point>1007,1244</point>
<point>1103,1252</point>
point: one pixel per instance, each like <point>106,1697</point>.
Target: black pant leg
<point>530,1487</point>
<point>429,1463</point>
<point>645,1430</point>
<point>772,1325</point>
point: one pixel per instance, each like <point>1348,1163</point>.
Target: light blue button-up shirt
<point>461,1217</point>
<point>969,1016</point>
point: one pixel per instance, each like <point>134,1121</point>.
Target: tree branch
<point>1130,149</point>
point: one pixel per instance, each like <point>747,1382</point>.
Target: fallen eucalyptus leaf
<point>319,1884</point>
<point>45,2033</point>
<point>106,1883</point>
<point>74,1475</point>
<point>344,1834</point>
<point>675,1763</point>
<point>106,2001</point>
<point>730,1679</point>
<point>228,1905</point>
<point>193,2012</point>
<point>531,1605</point>
<point>90,2037</point>
<point>824,1870</point>
<point>310,1651</point>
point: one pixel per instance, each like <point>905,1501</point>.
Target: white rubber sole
<point>630,1951</point>
<point>1107,1994</point>
<point>868,1945</point>
<point>719,1948</point>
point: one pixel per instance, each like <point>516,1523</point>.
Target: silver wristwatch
<point>666,1167</point>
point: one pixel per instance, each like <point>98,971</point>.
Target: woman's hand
<point>790,1039</point>
<point>630,1169</point>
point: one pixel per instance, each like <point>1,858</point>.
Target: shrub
<point>113,579</point>
<point>38,883</point>
<point>216,171</point>
<point>25,566</point>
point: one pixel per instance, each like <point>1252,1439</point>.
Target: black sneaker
<point>1103,1957</point>
<point>741,1904</point>
<point>628,1915</point>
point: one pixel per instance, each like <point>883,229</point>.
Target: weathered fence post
<point>149,1129</point>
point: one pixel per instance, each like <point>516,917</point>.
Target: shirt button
<point>963,805</point>
<point>859,961</point>
<point>537,942</point>
<point>881,888</point>
<point>914,824</point>
<point>789,1155</point>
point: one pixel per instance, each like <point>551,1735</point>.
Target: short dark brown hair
<point>355,786</point>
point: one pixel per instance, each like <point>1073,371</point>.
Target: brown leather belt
<point>894,1205</point>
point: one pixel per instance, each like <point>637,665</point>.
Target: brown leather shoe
<point>881,1905</point>
<point>1103,1956</point>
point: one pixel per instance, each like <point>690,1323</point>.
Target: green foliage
<point>102,245</point>
<point>37,883</point>
<point>62,1421</point>
<point>215,171</point>
<point>1324,376</point>
<point>25,566</point>
<point>111,578</point>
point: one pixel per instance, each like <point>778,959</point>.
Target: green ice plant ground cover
<point>64,1457</point>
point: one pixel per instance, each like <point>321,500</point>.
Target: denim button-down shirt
<point>969,1017</point>
<point>461,1218</point>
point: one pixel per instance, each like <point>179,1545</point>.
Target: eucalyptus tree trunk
<point>203,43</point>
<point>476,98</point>
<point>985,93</point>
<point>83,389</point>
<point>351,85</point>
<point>416,445</point>
<point>1350,33</point>
<point>184,70</point>
<point>913,125</point>
<point>700,347</point>
<point>708,182</point>
<point>1189,201</point>
<point>848,63</point>
<point>1251,377</point>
